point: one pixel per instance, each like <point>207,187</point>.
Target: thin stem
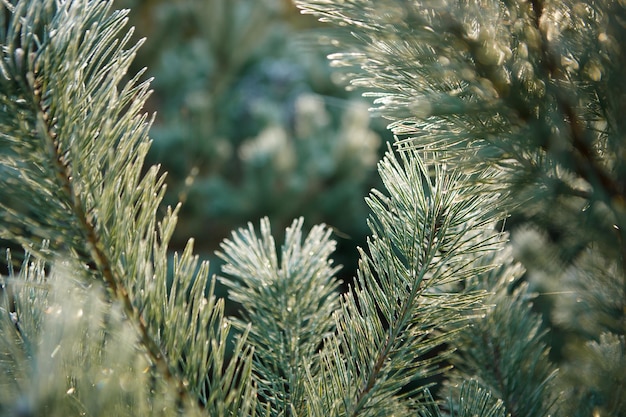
<point>394,331</point>
<point>97,250</point>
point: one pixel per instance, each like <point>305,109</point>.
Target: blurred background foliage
<point>251,121</point>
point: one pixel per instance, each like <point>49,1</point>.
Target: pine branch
<point>533,90</point>
<point>497,106</point>
<point>505,350</point>
<point>98,254</point>
<point>75,145</point>
<point>74,353</point>
<point>288,301</point>
<point>512,85</point>
<point>584,157</point>
<point>476,401</point>
<point>424,233</point>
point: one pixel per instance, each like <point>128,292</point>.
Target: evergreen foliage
<point>503,110</point>
<point>74,145</point>
<point>290,299</point>
<point>533,90</point>
<point>249,123</point>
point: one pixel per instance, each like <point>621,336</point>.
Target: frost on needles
<point>73,142</point>
<point>534,91</point>
<point>502,110</point>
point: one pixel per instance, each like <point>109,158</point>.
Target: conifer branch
<point>492,114</point>
<point>76,143</point>
<point>288,299</point>
<point>398,310</point>
<point>584,158</point>
<point>85,221</point>
<point>98,253</point>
